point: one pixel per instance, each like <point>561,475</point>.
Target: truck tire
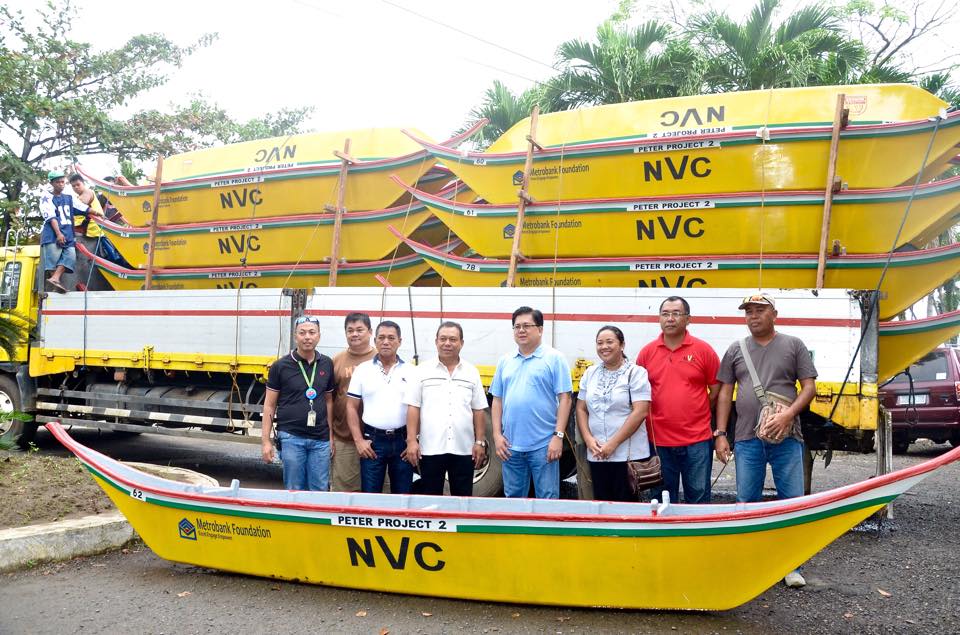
<point>22,432</point>
<point>488,480</point>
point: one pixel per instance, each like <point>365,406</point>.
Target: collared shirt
<point>446,401</point>
<point>293,406</point>
<point>382,392</point>
<point>61,207</point>
<point>609,396</point>
<point>529,387</point>
<point>680,409</point>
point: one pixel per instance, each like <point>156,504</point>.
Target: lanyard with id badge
<point>310,393</point>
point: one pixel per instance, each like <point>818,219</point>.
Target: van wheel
<point>900,445</point>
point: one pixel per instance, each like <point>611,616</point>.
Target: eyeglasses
<point>672,314</point>
<point>303,319</point>
<point>524,327</point>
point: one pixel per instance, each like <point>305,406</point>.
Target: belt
<point>389,433</point>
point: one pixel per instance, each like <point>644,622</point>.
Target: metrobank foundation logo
<point>187,530</point>
<point>509,231</point>
<point>518,177</point>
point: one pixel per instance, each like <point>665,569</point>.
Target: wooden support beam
<point>148,282</point>
<point>840,117</point>
<point>345,162</point>
<point>523,197</point>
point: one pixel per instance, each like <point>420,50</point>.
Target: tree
<point>624,64</point>
<point>808,48</point>
<point>59,98</point>
<point>502,108</point>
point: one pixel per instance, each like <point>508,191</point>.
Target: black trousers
<point>456,468</point>
<point>610,481</point>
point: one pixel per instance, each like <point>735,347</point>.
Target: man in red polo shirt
<point>683,377</point>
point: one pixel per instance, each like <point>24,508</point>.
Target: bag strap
<point>757,386</point>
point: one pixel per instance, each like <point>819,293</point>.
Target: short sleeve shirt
<point>382,392</point>
<point>529,387</point>
<point>447,402</point>
<point>680,410</point>
<point>609,397</point>
<point>780,364</point>
<point>61,208</point>
<point>293,406</point>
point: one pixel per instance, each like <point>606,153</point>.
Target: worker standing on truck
<point>345,469</point>
<point>768,406</point>
<point>531,408</point>
<point>381,435</point>
<point>683,378</point>
<point>299,401</point>
<point>57,243</point>
<point>446,403</point>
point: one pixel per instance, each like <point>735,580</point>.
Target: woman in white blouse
<point>612,404</point>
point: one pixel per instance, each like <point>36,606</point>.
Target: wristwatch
<point>482,444</point>
<point>558,434</point>
<point>719,433</point>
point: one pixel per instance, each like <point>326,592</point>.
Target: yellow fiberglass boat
<point>401,272</point>
<point>554,552</point>
<point>772,159</point>
<point>862,221</point>
<point>905,341</point>
<point>249,192</point>
<point>911,275</point>
<point>264,241</point>
<point>678,117</point>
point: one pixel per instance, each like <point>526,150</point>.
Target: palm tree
<point>624,64</point>
<point>808,48</point>
<point>502,109</point>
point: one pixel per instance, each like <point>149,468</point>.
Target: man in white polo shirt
<point>381,437</point>
<point>445,422</point>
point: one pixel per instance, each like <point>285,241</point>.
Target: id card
<point>311,419</point>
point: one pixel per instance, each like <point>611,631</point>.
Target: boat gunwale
<point>747,135</point>
<point>277,173</point>
<point>767,509</point>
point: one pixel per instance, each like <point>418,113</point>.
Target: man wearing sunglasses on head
<point>299,404</point>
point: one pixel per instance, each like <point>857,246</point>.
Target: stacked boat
<point>719,190</point>
<point>262,213</point>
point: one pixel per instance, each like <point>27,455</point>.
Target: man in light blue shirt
<point>531,407</point>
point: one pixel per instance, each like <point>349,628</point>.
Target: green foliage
<point>502,109</point>
<point>60,97</point>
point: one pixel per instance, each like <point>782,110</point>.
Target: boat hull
<point>879,156</point>
<point>264,241</point>
<point>911,275</point>
<point>553,552</point>
<point>862,221</point>
<point>676,117</point>
<point>904,342</point>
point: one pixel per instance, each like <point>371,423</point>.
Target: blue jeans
<point>689,464</point>
<point>306,462</point>
<point>518,469</point>
<point>388,449</point>
<point>786,462</point>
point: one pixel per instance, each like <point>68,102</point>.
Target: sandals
<point>56,286</point>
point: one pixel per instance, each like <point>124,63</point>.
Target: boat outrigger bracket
<point>523,196</point>
<point>346,160</point>
<point>840,119</point>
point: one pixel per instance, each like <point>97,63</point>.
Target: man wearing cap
<point>299,400</point>
<point>57,243</point>
<point>381,435</point>
<point>780,361</point>
<point>683,378</point>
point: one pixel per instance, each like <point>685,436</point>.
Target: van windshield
<point>932,367</point>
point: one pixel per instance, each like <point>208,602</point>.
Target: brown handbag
<point>643,474</point>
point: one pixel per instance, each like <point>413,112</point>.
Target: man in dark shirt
<point>57,240</point>
<point>299,401</point>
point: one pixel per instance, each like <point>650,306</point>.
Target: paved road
<point>905,580</point>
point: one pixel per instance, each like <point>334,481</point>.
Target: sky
<point>359,63</point>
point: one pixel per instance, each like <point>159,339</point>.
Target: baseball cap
<point>758,298</point>
<point>53,175</point>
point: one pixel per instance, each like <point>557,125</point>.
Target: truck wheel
<point>23,432</point>
<point>488,480</point>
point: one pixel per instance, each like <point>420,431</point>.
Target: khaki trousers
<point>345,468</point>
